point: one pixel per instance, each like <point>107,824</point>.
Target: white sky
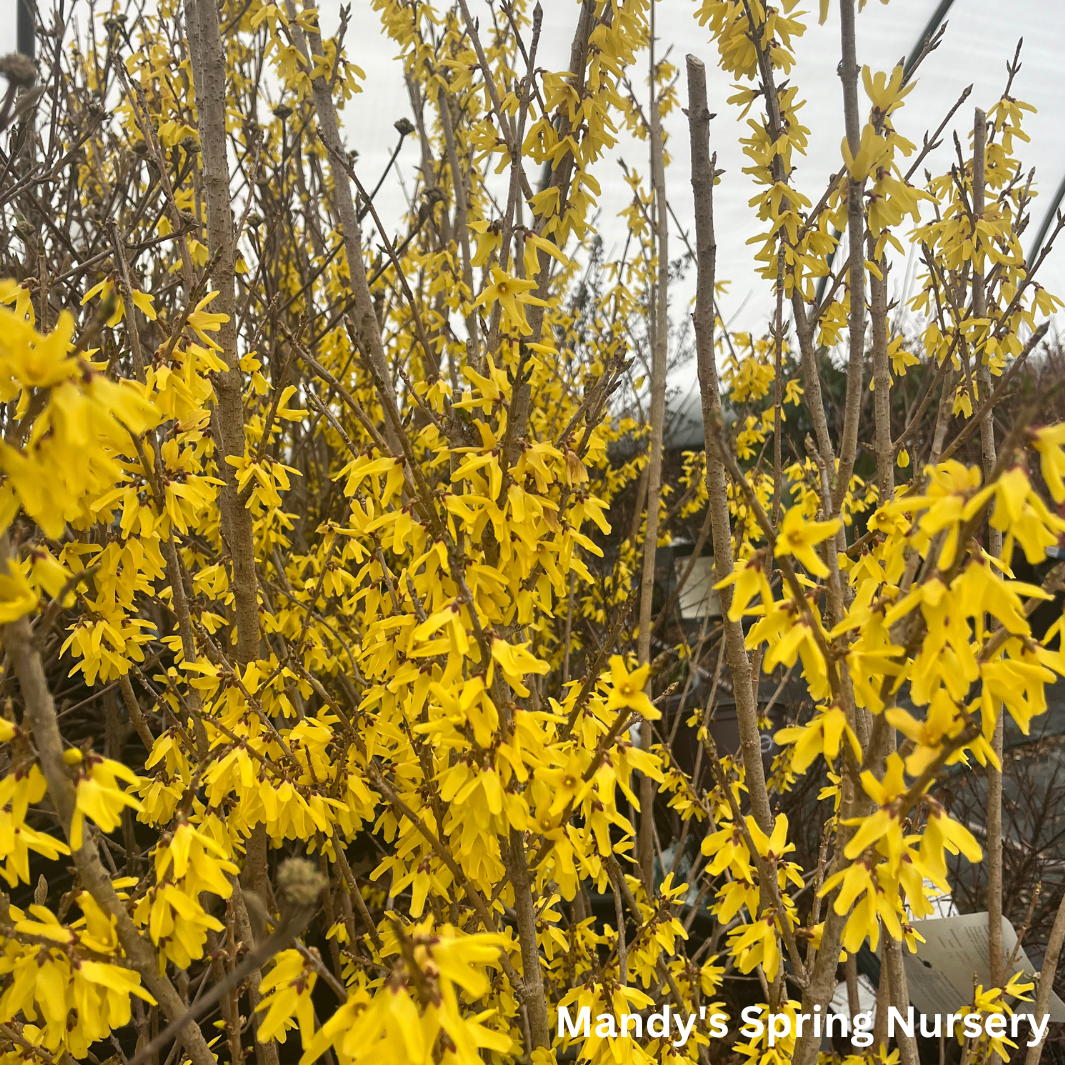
<point>980,38</point>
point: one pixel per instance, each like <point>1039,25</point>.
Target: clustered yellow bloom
<point>420,672</point>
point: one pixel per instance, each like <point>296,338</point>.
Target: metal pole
<point>27,29</point>
<point>938,15</point>
<point>1048,221</point>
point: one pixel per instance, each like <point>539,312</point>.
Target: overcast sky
<point>980,38</point>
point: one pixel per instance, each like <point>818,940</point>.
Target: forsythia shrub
<point>336,690</point>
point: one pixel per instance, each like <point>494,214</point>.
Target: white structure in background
<point>955,950</point>
<point>697,598</point>
<point>840,1004</point>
